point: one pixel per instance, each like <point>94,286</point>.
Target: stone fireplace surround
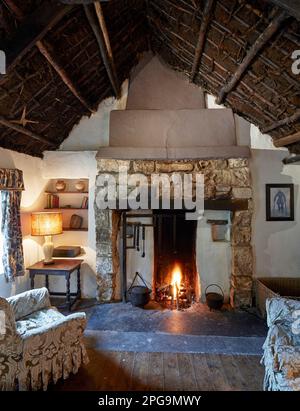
<point>224,179</point>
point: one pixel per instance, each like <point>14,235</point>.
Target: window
<point>1,239</point>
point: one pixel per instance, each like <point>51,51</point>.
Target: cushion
<point>38,319</point>
<point>28,302</point>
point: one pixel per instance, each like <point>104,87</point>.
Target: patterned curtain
<point>11,179</point>
<point>11,184</point>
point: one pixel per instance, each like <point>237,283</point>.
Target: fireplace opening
<point>175,280</point>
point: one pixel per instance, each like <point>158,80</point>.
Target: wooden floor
<point>129,371</point>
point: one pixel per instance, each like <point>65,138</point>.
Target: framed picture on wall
<point>280,202</point>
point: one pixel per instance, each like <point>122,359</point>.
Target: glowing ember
<point>176,280</point>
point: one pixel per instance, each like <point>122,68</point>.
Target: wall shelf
<point>69,201</point>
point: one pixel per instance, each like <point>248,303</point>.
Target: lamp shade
<point>46,223</point>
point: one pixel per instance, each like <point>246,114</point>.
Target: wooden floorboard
<point>156,372</point>
<point>140,371</point>
<point>171,372</point>
<point>188,380</point>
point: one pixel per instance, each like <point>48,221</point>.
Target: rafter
<point>202,36</point>
<point>83,1</point>
<point>31,30</point>
<point>291,6</point>
<point>284,122</point>
<point>5,122</point>
<point>102,37</point>
<point>260,42</point>
<point>287,140</point>
<point>47,51</point>
<point>14,8</point>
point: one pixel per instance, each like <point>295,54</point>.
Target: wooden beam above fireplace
<point>226,205</point>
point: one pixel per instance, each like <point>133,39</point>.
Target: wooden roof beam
<point>47,51</point>
<point>207,12</point>
<point>260,42</point>
<point>6,123</point>
<point>285,122</point>
<point>14,8</point>
<point>287,140</point>
<point>102,37</point>
<point>291,6</point>
<point>83,1</point>
<point>31,30</point>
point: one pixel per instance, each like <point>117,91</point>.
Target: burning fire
<point>176,280</point>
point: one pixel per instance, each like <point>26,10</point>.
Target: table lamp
<point>46,224</point>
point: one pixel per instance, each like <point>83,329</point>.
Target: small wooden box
<point>66,251</point>
<point>76,221</point>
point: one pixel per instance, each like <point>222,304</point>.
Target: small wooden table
<point>63,267</point>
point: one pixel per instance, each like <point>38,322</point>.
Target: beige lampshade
<point>46,223</point>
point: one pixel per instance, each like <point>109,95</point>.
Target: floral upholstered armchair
<point>38,344</point>
<point>282,347</point>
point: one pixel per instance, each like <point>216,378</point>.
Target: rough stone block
<point>241,192</point>
<point>240,299</point>
<point>241,235</point>
<point>105,289</point>
<point>241,283</point>
<point>212,165</point>
<point>112,166</point>
<point>104,265</point>
<point>235,177</point>
<point>103,218</point>
<point>242,261</point>
<point>104,250</point>
<point>209,192</point>
<point>242,218</point>
<point>103,236</point>
<point>238,162</point>
<point>144,167</point>
<point>167,167</point>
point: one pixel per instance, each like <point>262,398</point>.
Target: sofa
<point>281,349</point>
<point>38,344</point>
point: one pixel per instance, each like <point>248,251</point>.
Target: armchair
<point>37,343</point>
<point>282,346</point>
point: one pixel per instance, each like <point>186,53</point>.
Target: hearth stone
<point>228,179</point>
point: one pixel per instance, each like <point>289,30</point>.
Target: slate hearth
<point>121,327</point>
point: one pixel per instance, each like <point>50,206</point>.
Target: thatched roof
<point>64,58</point>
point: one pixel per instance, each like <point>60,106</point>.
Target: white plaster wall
<point>37,173</point>
<point>93,132</point>
<point>32,199</point>
<point>242,127</point>
<point>76,164</point>
<point>276,244</point>
<point>262,141</point>
<point>213,258</point>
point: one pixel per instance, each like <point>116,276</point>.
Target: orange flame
<point>176,279</point>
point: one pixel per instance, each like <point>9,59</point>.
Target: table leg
<point>47,282</point>
<point>78,284</point>
<point>68,294</point>
<point>32,280</point>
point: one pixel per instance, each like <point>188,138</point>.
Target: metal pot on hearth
<point>214,300</point>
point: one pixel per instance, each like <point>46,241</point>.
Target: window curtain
<point>11,186</point>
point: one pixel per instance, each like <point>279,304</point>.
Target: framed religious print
<point>280,202</point>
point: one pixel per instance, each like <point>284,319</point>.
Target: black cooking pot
<point>139,295</point>
<point>214,300</point>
